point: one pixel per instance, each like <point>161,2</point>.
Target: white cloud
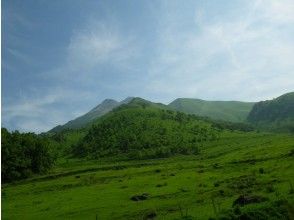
<point>99,43</point>
<point>280,11</point>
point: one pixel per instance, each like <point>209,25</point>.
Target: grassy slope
<point>87,188</point>
<point>275,115</point>
<point>233,111</point>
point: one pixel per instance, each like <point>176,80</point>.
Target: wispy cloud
<point>216,56</point>
<point>98,44</point>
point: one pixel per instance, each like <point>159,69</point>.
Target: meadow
<point>254,165</point>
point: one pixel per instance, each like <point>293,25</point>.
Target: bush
<point>24,155</point>
<point>280,209</point>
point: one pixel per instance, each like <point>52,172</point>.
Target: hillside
<point>203,186</point>
<point>143,161</point>
<point>276,114</point>
<point>233,111</point>
<point>142,130</point>
<point>106,106</point>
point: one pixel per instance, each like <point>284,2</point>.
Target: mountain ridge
<point>101,109</point>
<point>230,111</point>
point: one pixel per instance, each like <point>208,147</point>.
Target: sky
<point>60,58</point>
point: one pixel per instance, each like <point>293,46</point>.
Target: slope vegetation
<point>141,130</point>
<point>232,111</point>
<point>276,114</point>
<point>258,167</point>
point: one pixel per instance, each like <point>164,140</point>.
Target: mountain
<point>233,111</point>
<point>142,129</point>
<point>106,106</point>
<point>275,114</point>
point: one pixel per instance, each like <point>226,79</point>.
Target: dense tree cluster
<point>24,154</point>
<point>142,131</point>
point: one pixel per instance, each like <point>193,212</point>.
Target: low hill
<point>106,106</point>
<point>233,111</point>
<point>142,130</point>
<point>276,114</point>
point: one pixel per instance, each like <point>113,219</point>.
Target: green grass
<point>258,164</point>
<point>233,111</point>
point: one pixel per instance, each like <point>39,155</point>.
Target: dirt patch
<point>248,199</point>
<point>141,197</point>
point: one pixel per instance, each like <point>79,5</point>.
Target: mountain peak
<point>127,100</point>
<point>106,101</point>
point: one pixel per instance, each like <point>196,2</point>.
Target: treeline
<point>24,154</point>
<point>233,126</point>
<point>139,131</point>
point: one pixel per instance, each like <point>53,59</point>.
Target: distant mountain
<point>276,114</point>
<point>233,111</point>
<point>106,106</point>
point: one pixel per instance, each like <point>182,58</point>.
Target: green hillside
<point>276,114</point>
<point>205,186</point>
<point>142,130</point>
<point>233,111</point>
<point>143,161</point>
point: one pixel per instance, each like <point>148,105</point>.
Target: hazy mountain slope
<point>233,111</point>
<point>274,114</point>
<point>106,106</point>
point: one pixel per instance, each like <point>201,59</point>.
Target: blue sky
<point>61,58</point>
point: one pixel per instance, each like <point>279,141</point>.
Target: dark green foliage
<point>276,114</point>
<point>139,130</point>
<point>24,154</point>
<point>261,170</point>
<point>248,199</point>
<point>65,139</point>
<point>141,197</point>
<point>222,125</point>
<point>280,209</point>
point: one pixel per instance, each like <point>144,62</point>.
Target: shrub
<point>24,155</point>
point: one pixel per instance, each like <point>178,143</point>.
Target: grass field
<point>200,186</point>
